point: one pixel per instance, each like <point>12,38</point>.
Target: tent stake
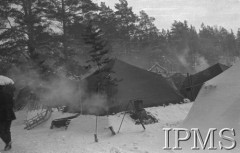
<point>95,135</point>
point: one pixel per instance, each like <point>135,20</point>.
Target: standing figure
<point>6,110</point>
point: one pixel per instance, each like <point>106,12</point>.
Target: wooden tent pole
<point>124,116</point>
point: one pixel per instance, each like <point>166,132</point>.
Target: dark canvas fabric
<point>193,83</point>
<point>135,83</point>
<point>178,80</point>
<point>5,133</point>
<point>6,103</point>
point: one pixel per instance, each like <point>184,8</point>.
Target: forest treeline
<point>51,35</point>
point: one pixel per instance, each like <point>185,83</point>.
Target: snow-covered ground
<point>79,137</point>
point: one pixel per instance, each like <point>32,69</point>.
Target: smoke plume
<point>59,90</point>
<point>201,63</point>
<point>183,58</point>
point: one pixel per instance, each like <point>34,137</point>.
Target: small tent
<point>217,104</point>
<point>135,83</point>
<point>157,68</point>
<point>193,83</point>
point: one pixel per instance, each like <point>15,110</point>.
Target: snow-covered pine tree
<point>100,59</point>
<point>99,52</point>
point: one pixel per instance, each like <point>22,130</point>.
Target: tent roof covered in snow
<point>218,103</point>
<point>135,83</point>
<point>193,83</point>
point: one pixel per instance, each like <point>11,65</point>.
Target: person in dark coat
<point>6,114</point>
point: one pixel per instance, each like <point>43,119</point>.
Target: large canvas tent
<point>217,105</point>
<point>177,79</point>
<point>135,83</point>
<point>193,83</point>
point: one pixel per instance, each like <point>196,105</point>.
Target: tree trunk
<point>64,31</point>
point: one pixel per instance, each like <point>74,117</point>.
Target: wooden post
<point>95,135</point>
<point>123,117</point>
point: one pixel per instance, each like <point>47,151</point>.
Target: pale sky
<point>224,13</point>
